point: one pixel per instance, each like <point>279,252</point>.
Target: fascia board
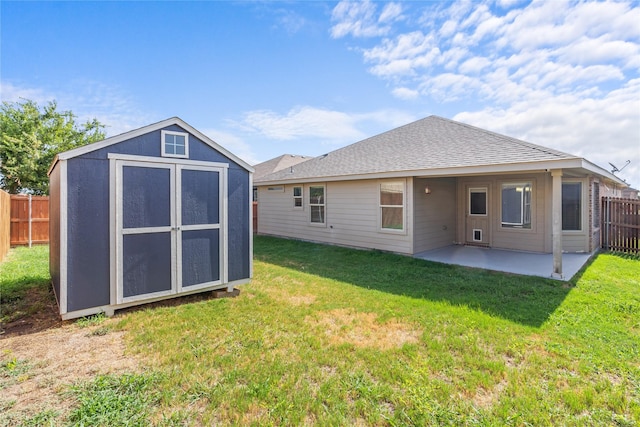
<point>150,128</point>
<point>116,139</point>
<point>440,172</point>
<point>591,167</point>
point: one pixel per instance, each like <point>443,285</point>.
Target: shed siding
<point>88,265</point>
<point>239,252</point>
<point>54,230</point>
<point>435,213</point>
<point>238,182</point>
<point>352,218</point>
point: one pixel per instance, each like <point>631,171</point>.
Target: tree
<point>30,138</point>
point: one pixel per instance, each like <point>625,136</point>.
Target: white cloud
<point>405,93</point>
<point>474,65</point>
<point>602,130</point>
<point>233,143</point>
<point>558,73</point>
<point>303,122</point>
<point>309,124</point>
<point>361,19</point>
<point>10,92</point>
<point>391,12</point>
<point>290,21</point>
<point>87,100</point>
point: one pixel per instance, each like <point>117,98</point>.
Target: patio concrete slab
<point>527,263</point>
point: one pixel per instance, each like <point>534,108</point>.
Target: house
<point>436,182</point>
<point>629,193</point>
<point>285,161</point>
<point>154,213</point>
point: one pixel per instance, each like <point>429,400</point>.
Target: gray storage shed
<point>154,213</point>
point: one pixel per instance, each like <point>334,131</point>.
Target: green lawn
<point>333,336</point>
<point>24,282</point>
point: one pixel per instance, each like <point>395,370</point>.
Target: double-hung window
<point>392,206</point>
<point>317,204</point>
<point>572,206</point>
<point>297,197</point>
<point>516,205</point>
<point>175,144</point>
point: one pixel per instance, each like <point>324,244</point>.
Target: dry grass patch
<point>364,330</point>
<point>276,292</point>
<point>55,358</point>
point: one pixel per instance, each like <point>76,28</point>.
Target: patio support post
<point>556,226</point>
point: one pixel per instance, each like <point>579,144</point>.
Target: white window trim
<point>186,144</point>
<point>513,226</point>
<point>402,230</point>
<point>301,197</point>
<point>318,224</point>
<point>484,190</point>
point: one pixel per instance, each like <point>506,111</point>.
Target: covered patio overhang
<point>516,262</point>
<point>557,264</point>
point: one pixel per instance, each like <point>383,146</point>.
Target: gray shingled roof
<point>429,143</point>
<point>286,161</point>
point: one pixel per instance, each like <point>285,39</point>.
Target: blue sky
<point>267,78</point>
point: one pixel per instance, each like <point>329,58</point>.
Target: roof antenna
<point>615,168</point>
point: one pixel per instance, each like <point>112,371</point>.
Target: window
<point>572,206</point>
<point>175,144</point>
<point>392,206</point>
<point>297,197</point>
<point>477,201</point>
<point>316,204</point>
<point>516,205</point>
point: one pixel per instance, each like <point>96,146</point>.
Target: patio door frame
<point>116,164</point>
<point>478,223</point>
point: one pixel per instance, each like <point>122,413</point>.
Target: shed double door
<point>169,228</point>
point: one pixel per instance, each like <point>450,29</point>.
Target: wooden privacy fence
<point>621,225</point>
<point>29,220</point>
<point>5,221</point>
<point>255,217</point>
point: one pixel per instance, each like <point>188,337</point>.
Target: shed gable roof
<point>431,143</point>
<point>147,129</point>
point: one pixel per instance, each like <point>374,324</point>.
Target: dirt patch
<point>36,311</point>
<point>38,367</point>
<point>487,398</point>
<point>364,330</point>
<point>283,296</point>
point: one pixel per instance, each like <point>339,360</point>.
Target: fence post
<point>30,220</point>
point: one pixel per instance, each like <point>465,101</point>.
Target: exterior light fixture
<point>427,190</point>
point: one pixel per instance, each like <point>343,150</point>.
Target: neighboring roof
<point>286,161</point>
<point>432,146</point>
<point>144,130</point>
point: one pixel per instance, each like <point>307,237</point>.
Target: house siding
<point>435,213</point>
<point>351,216</point>
<point>532,239</point>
